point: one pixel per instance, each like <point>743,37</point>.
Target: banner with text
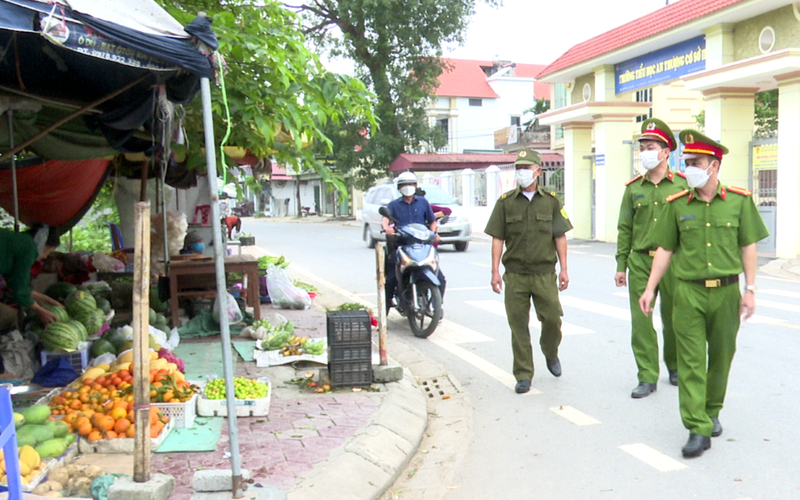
<point>660,66</point>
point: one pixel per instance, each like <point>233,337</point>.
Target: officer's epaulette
<point>506,194</point>
<point>738,190</point>
<point>634,179</point>
<point>677,195</point>
<point>678,172</point>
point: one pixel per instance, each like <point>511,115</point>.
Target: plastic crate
<point>349,327</point>
<point>122,445</point>
<point>244,407</point>
<point>78,359</point>
<point>182,414</point>
<point>347,353</point>
<point>351,373</point>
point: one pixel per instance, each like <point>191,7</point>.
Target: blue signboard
<point>662,65</point>
<point>600,160</point>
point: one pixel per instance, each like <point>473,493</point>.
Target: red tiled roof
<point>458,161</point>
<point>540,90</point>
<point>465,78</point>
<point>656,22</point>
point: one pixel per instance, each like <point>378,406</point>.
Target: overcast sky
<point>537,31</point>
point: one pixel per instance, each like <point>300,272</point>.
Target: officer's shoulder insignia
<point>634,179</point>
<point>679,173</point>
<point>502,196</point>
<point>677,195</point>
<point>738,190</point>
<point>552,193</point>
<point>564,213</point>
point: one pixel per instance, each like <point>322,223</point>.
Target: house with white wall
<point>475,98</point>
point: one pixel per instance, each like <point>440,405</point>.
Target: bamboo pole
<point>141,344</point>
<point>380,257</point>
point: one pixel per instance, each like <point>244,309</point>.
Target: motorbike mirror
<point>385,212</point>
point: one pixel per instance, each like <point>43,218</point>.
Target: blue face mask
<point>198,247</point>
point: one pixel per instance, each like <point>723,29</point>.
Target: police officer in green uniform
<point>711,230</point>
<point>642,205</point>
<point>533,225</point>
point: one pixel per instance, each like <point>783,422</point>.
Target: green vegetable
<point>265,261</point>
<point>314,347</point>
<point>276,341</point>
<point>40,433</point>
<point>36,414</point>
<point>305,286</point>
<point>59,428</point>
<point>52,448</point>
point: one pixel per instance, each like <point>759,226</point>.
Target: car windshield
<point>436,196</point>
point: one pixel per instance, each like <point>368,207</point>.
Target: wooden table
<point>195,278</point>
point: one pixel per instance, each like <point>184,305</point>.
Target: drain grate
<point>438,386</point>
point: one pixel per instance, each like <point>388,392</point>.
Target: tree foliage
<point>397,47</point>
<point>279,94</point>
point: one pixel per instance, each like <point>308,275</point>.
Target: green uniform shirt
<point>528,228</point>
<point>17,255</point>
<point>708,237</point>
<point>641,208</point>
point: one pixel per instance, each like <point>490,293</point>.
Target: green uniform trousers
<point>644,339</point>
<point>544,290</point>
<point>706,321</point>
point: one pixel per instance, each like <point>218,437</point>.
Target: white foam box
<point>182,414</point>
<point>121,445</point>
<point>244,407</point>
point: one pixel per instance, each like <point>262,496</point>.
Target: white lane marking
<point>576,251</point>
<point>758,319</point>
<point>480,264</point>
<point>781,306</point>
<point>468,288</point>
<point>448,331</point>
<point>652,457</point>
<point>604,256</point>
<point>755,319</point>
<point>498,308</point>
<point>574,416</point>
<point>773,278</point>
<point>596,307</point>
<point>780,293</point>
<point>481,364</point>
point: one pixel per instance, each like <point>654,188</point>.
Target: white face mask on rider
<point>408,190</point>
<point>525,177</point>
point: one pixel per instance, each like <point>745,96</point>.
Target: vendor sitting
<point>193,244</point>
<point>18,252</point>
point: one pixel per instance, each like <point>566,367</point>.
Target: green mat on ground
<point>245,349</point>
<point>201,359</point>
<point>203,325</point>
<point>202,436</point>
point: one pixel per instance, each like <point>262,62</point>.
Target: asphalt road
<point>581,436</point>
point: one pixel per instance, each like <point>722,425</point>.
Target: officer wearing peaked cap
<point>531,223</point>
<point>709,232</point>
<point>642,205</point>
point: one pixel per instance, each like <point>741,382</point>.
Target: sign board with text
<point>663,65</point>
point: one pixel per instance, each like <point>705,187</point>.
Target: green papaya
<point>40,433</point>
<point>52,448</point>
<point>36,414</point>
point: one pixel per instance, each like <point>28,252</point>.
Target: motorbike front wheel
<point>424,320</point>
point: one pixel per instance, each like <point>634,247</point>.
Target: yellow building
<point>689,57</point>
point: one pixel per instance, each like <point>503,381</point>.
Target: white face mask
<point>696,177</point>
<point>524,177</point>
<point>408,190</point>
<point>649,159</point>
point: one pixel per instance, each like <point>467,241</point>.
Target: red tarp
<point>53,192</point>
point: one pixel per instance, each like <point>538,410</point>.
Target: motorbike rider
<point>408,209</point>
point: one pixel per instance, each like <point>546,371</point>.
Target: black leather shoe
<point>522,386</point>
<point>717,430</point>
<point>673,377</point>
<point>696,445</point>
<point>643,390</point>
<point>554,365</point>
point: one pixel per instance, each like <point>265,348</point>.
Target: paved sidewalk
<point>784,268</point>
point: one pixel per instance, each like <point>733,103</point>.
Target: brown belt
<point>718,282</point>
<point>651,253</point>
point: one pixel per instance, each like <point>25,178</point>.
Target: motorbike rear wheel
<point>424,320</point>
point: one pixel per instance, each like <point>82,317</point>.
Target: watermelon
<point>80,330</point>
<point>101,346</point>
<point>103,305</point>
<point>80,302</point>
<point>60,291</point>
<point>60,312</point>
<point>156,303</point>
<point>61,335</point>
<point>92,320</point>
<point>153,317</point>
<point>116,338</point>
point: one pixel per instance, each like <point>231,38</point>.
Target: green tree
<point>397,47</point>
<point>278,94</point>
<point>541,106</point>
<point>766,113</point>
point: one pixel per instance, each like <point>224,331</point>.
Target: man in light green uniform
<point>712,232</point>
<point>642,204</point>
<point>533,225</point>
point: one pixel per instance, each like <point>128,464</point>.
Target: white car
<point>455,230</point>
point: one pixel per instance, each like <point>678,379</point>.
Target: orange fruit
<point>95,436</point>
<point>121,425</point>
<point>110,434</point>
<point>84,428</point>
<point>118,413</point>
<point>131,432</point>
<point>75,404</point>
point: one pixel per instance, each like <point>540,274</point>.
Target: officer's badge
<point>651,126</point>
<point>689,139</point>
<point>564,213</point>
<point>523,154</point>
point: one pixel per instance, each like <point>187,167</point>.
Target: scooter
<point>417,295</point>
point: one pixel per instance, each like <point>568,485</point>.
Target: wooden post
<point>141,342</point>
<point>379,260</point>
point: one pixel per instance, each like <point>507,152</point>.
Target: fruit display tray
<point>244,407</point>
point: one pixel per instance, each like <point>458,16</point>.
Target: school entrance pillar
<point>787,240</point>
<point>730,120</point>
<point>578,177</point>
<point>612,136</point>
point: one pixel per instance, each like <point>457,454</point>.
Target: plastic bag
<point>234,313</point>
<point>283,293</point>
<point>107,358</point>
<point>107,264</point>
